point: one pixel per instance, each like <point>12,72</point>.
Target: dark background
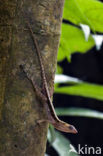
<point>87,67</point>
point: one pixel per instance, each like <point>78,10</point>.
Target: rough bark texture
<point>20,108</point>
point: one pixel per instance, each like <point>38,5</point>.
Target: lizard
<point>52,117</point>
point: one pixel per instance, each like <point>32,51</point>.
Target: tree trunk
<point>20,108</point>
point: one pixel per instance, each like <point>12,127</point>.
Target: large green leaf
<point>72,40</point>
<point>62,145</point>
<point>83,89</point>
<point>80,112</point>
<point>88,12</point>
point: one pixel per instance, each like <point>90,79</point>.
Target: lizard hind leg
<point>38,91</point>
<point>34,85</point>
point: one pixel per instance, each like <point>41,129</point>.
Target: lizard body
<point>51,114</point>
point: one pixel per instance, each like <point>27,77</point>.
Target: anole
<point>51,114</point>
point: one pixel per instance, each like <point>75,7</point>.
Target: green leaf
<point>80,112</point>
<point>88,12</point>
<point>52,135</point>
<point>61,55</point>
<point>82,89</point>
<point>73,40</point>
<point>59,70</point>
<point>62,145</point>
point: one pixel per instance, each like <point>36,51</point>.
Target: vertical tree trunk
<point>20,108</point>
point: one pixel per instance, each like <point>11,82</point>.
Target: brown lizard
<point>51,114</point>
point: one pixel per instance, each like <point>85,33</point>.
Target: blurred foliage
<point>88,12</point>
<point>80,112</point>
<point>73,40</point>
<point>76,12</point>
<point>62,145</point>
<point>59,70</point>
<point>82,89</point>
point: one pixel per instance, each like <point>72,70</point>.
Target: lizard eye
<point>71,127</point>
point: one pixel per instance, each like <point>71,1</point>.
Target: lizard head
<point>65,127</point>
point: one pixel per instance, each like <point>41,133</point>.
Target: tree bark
<point>20,108</point>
